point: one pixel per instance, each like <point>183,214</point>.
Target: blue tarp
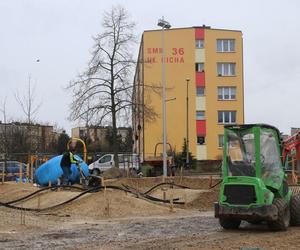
<point>51,171</point>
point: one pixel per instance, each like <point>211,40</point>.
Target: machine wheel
<point>283,220</point>
<point>95,172</point>
<point>228,223</point>
<point>295,210</point>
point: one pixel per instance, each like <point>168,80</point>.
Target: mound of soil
<point>112,173</point>
<point>143,184</point>
<point>111,204</point>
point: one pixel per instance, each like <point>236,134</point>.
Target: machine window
<point>241,154</point>
<point>269,156</point>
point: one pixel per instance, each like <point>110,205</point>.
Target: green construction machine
<point>254,186</point>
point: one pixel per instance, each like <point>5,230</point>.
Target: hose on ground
<point>149,197</point>
<point>96,189</point>
<point>42,190</point>
<point>216,184</point>
<point>165,183</point>
<point>51,207</point>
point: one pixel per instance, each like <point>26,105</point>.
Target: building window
<point>225,45</point>
<point>200,115</point>
<point>220,141</point>
<point>199,44</point>
<point>200,91</point>
<point>226,93</point>
<point>201,140</point>
<point>200,67</point>
<point>226,69</point>
<point>226,117</point>
<point>82,133</point>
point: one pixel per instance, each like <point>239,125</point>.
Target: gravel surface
<point>200,231</point>
<point>108,234</point>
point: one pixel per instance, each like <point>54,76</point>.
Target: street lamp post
<point>187,122</point>
<point>164,25</point>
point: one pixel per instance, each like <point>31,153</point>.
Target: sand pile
<point>115,203</point>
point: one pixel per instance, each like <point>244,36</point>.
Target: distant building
<point>212,60</point>
<point>41,137</point>
<point>98,133</point>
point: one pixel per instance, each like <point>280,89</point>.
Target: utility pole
<point>187,123</point>
<point>164,25</point>
<point>5,141</point>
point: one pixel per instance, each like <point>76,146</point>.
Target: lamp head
<point>163,23</point>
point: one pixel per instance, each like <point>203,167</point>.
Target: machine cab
<point>253,151</point>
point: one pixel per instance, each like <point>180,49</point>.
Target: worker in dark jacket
<point>66,161</point>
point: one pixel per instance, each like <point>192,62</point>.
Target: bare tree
<point>30,108</point>
<point>28,102</point>
<point>106,85</point>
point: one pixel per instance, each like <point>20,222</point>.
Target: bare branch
<point>27,102</point>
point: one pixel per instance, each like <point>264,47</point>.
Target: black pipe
<point>165,183</point>
<point>41,190</point>
<point>96,189</point>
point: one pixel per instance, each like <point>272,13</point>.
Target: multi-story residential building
<point>21,136</point>
<point>210,62</point>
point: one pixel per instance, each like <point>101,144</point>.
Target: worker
<point>66,161</point>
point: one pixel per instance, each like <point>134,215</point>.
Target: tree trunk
<point>115,143</point>
<point>113,114</point>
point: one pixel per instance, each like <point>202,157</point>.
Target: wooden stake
<point>31,172</point>
<point>27,171</point>
<point>105,200</point>
<point>108,206</point>
<point>22,215</point>
<point>59,183</point>
<point>39,201</point>
<point>185,200</point>
<point>171,202</point>
<point>210,181</point>
<point>49,183</point>
<point>102,182</point>
<point>127,170</point>
<point>21,173</point>
<point>181,173</point>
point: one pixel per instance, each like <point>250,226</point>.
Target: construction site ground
<point>113,219</point>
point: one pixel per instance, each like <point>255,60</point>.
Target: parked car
<point>12,170</point>
<point>126,161</point>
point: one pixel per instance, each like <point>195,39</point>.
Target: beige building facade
<point>208,61</point>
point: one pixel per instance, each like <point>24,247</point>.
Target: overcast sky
<point>58,32</point>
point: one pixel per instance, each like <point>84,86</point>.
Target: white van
<point>106,162</point>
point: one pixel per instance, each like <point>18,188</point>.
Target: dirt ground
<point>116,220</point>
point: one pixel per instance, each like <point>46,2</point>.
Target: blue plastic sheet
<point>51,171</point>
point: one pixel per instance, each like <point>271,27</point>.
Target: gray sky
<point>58,32</point>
